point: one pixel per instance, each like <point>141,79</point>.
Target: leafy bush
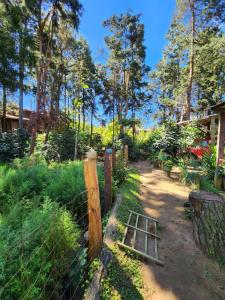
<point>120,171</point>
<point>207,185</point>
<point>33,178</point>
<point>168,139</point>
<point>168,164</point>
<point>182,164</point>
<point>189,135</point>
<point>13,144</point>
<point>133,148</point>
<point>36,250</point>
<point>31,222</point>
<point>61,145</point>
<point>209,162</point>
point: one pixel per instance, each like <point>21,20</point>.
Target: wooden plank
<point>150,218</point>
<point>156,243</point>
<point>125,233</point>
<point>108,181</point>
<point>142,230</point>
<point>146,236</point>
<point>213,130</point>
<point>94,208</point>
<point>220,140</point>
<point>135,232</point>
<point>151,258</point>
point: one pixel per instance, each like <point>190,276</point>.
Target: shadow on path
<point>187,274</point>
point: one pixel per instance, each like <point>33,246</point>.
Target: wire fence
<point>57,267</point>
<point>49,257</point>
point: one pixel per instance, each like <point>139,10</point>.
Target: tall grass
<point>40,205</point>
<point>61,182</point>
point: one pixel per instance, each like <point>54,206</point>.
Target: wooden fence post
<point>125,154</point>
<point>108,180</point>
<point>94,208</point>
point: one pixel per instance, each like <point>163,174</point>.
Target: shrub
<point>169,164</point>
<point>36,249</point>
<point>120,171</point>
<point>61,145</point>
<point>168,139</point>
<point>134,151</point>
<point>13,144</point>
<point>189,135</point>
<point>184,171</point>
<point>209,162</point>
<point>33,178</point>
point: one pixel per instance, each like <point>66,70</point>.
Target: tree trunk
<point>65,95</point>
<point>79,119</point>
<point>187,110</point>
<point>92,115</point>
<point>208,218</point>
<point>76,142</point>
<point>83,114</point>
<point>120,116</point>
<point>83,110</point>
<point>39,87</point>
<point>21,78</point>
<point>113,136</point>
<point>4,109</point>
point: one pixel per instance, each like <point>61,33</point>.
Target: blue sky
<point>156,16</point>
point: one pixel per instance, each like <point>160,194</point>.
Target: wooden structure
<point>209,122</point>
<point>108,180</point>
<point>94,208</point>
<point>147,227</point>
<point>220,110</point>
<point>12,121</point>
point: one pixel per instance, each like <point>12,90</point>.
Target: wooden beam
<point>135,231</point>
<point>142,230</point>
<point>142,254</point>
<point>94,208</point>
<point>128,223</point>
<point>220,140</point>
<point>146,236</point>
<point>213,130</point>
<point>108,180</point>
<point>150,218</point>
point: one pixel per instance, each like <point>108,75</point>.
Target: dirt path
<point>187,274</point>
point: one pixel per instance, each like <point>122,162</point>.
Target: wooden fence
<point>94,205</point>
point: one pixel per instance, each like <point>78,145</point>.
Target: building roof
<point>12,117</point>
<point>218,107</point>
<point>204,120</point>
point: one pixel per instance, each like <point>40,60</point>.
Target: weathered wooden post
<point>220,139</point>
<point>108,180</point>
<point>220,109</point>
<point>213,130</point>
<point>125,154</point>
<point>94,208</point>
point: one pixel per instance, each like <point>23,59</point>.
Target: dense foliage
<point>41,206</point>
<point>13,144</point>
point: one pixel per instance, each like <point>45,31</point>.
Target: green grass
<point>129,191</point>
<point>124,280</point>
<point>39,205</point>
